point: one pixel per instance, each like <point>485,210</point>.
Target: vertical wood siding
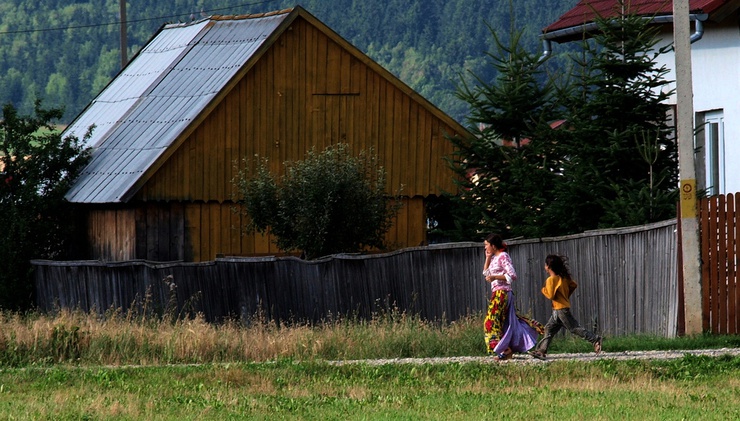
<point>196,231</point>
<point>627,282</point>
<point>112,233</point>
<point>306,91</point>
<point>295,98</point>
<point>720,232</point>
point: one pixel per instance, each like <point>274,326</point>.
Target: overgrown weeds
<point>118,338</point>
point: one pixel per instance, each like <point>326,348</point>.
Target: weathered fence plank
<point>627,283</point>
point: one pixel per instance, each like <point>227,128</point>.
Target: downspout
<point>580,29</point>
<point>698,27</point>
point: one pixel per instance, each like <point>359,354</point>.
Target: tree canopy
<point>37,167</point>
<point>612,162</point>
<point>72,47</point>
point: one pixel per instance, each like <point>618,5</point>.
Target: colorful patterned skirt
<point>503,328</point>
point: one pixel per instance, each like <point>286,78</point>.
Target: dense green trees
<point>622,168</point>
<point>506,172</point>
<point>612,163</point>
<point>37,166</point>
<point>66,51</point>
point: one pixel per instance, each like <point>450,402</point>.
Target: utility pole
<point>124,46</point>
<point>688,217</point>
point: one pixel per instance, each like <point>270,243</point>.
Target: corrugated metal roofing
<point>154,99</point>
<point>587,10</point>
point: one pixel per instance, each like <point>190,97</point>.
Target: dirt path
<point>526,359</point>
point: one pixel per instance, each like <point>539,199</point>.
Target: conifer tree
<point>621,168</point>
<point>506,170</point>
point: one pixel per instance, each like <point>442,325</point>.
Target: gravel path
<point>526,359</point>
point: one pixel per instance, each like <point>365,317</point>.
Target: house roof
<point>165,91</point>
<point>586,11</point>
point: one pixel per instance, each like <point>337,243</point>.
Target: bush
<point>37,167</point>
<point>331,202</point>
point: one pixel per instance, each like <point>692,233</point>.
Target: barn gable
<point>174,125</point>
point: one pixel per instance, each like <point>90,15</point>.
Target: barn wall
<point>199,231</point>
<point>306,91</point>
<point>213,230</point>
<point>111,234</point>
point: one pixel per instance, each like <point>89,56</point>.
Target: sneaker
<point>537,354</point>
<point>597,345</point>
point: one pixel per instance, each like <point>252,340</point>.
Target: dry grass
<point>120,339</point>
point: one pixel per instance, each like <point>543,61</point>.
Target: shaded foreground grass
<point>689,388</point>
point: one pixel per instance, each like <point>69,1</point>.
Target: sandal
<point>538,354</point>
<point>506,355</point>
<point>597,345</point>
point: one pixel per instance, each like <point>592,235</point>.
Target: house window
<point>711,160</point>
<point>714,141</point>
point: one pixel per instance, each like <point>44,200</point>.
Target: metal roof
<point>141,113</point>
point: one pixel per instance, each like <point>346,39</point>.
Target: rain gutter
<point>592,26</point>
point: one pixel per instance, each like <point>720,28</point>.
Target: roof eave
<point>585,30</point>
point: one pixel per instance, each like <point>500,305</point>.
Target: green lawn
<point>689,388</point>
<point>76,366</point>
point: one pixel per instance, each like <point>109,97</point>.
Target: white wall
<point>716,85</point>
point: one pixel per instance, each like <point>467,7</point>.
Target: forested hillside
<point>66,51</point>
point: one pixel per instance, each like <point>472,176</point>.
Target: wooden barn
<point>172,129</point>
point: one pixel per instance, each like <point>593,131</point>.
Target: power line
<point>30,31</point>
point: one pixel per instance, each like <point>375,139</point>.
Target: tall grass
<point>123,339</point>
<point>131,339</point>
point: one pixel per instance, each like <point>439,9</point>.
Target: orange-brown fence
<point>720,237</point>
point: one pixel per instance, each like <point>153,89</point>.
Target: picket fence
<point>627,281</point>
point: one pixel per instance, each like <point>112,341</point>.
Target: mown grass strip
<point>689,388</point>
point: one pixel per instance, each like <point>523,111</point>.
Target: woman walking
<point>505,332</point>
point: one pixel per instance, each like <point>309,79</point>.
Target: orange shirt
<point>559,290</point>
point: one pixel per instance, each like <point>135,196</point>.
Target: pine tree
<point>621,168</point>
<point>507,169</point>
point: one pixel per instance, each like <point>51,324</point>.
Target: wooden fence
<point>626,277</point>
<point>720,248</point>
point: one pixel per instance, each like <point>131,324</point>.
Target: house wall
<point>305,91</point>
<point>716,86</point>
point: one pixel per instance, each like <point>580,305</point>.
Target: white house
<point>715,64</point>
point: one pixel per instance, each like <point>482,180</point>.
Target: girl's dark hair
<point>496,241</point>
<point>559,265</point>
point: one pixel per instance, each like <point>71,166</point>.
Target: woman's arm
<point>508,266</point>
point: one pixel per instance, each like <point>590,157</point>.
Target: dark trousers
<point>559,319</point>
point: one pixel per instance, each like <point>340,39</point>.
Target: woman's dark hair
<point>559,265</point>
<point>496,241</point>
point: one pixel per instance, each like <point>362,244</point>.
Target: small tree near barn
<point>37,167</point>
<point>331,202</point>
